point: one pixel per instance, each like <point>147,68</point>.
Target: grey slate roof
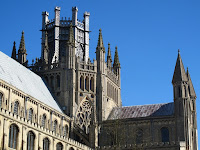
<point>153,110</point>
<point>25,80</point>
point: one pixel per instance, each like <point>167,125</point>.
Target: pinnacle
<point>22,43</point>
<point>71,34</point>
<point>100,40</point>
<point>14,51</point>
<point>179,71</point>
<point>116,58</point>
<point>109,51</point>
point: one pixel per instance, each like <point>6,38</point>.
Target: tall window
<point>165,134</point>
<point>55,125</point>
<point>81,83</point>
<point>71,148</point>
<point>30,140</point>
<point>92,84</point>
<point>59,146</point>
<point>87,83</point>
<point>66,131</point>
<point>58,81</point>
<point>30,115</point>
<point>1,99</point>
<point>46,144</point>
<point>13,136</point>
<point>139,136</point>
<point>52,82</point>
<point>44,120</point>
<point>16,108</point>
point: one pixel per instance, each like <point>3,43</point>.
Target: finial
<point>100,30</point>
<point>22,31</point>
<point>178,51</point>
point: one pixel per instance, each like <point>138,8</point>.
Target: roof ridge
<point>145,105</point>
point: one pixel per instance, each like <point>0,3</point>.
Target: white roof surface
<point>25,80</point>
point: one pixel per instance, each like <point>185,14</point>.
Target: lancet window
<point>30,115</point>
<point>16,108</point>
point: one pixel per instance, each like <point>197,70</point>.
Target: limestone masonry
<point>65,101</point>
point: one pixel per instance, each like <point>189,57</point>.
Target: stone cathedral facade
<point>65,101</point>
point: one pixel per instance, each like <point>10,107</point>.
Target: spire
<point>100,42</point>
<point>71,34</point>
<point>22,43</point>
<point>116,59</point>
<point>179,71</point>
<point>14,52</point>
<point>190,85</point>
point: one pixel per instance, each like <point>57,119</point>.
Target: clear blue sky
<point>148,34</point>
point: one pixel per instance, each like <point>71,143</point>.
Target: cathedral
<point>64,101</point>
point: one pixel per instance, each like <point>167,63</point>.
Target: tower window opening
<point>58,81</point>
<point>165,134</point>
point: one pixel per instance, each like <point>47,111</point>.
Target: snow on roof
<point>25,80</point>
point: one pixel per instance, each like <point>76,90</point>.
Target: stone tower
<point>185,106</point>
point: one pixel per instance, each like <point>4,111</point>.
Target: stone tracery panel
<point>83,115</point>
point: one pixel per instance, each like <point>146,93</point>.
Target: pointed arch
<point>30,115</point>
<point>87,83</point>
<point>84,114</point>
<point>55,126</point>
<point>92,84</point>
<point>16,108</point>
<point>82,83</point>
<point>66,130</point>
<point>13,136</point>
<point>44,118</point>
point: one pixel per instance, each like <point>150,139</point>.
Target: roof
<point>153,110</point>
<point>25,80</point>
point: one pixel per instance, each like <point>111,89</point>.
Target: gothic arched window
<point>44,120</point>
<point>1,99</point>
<point>165,134</point>
<point>59,146</point>
<point>30,140</point>
<point>139,136</point>
<point>16,108</point>
<point>92,84</point>
<point>55,125</point>
<point>46,144</point>
<point>30,115</point>
<point>83,116</point>
<point>52,82</point>
<point>71,148</point>
<point>87,83</point>
<point>66,131</point>
<point>13,136</point>
<point>81,83</point>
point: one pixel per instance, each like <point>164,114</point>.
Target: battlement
<point>9,115</point>
<point>87,66</point>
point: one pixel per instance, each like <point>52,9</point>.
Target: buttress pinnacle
<point>71,34</point>
<point>14,52</point>
<point>100,41</point>
<point>116,59</point>
<point>22,43</point>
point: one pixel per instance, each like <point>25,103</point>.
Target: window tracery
<point>30,140</point>
<point>46,144</point>
<point>30,115</point>
<point>59,146</point>
<point>16,108</point>
<point>83,115</point>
